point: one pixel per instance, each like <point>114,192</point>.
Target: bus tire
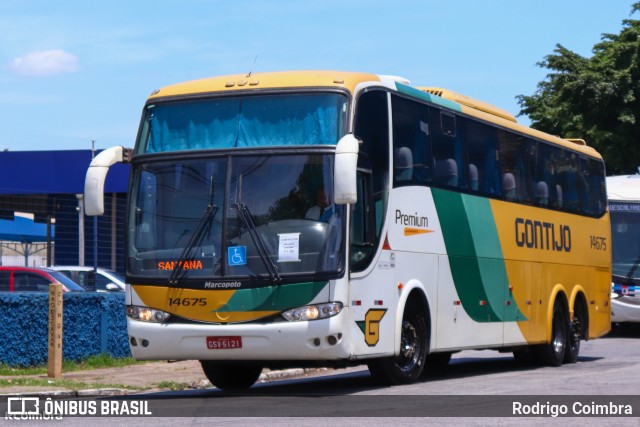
<point>552,354</point>
<point>234,376</point>
<point>407,367</point>
<point>575,332</point>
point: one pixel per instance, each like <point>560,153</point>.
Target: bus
<point>451,227</point>
<point>624,204</point>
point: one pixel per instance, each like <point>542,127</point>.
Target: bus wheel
<point>409,364</point>
<point>575,333</point>
<point>231,376</point>
<point>552,354</point>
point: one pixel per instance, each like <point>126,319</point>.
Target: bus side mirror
<point>96,176</point>
<point>344,174</point>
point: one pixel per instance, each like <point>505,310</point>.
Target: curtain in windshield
<point>269,120</point>
<point>259,222</point>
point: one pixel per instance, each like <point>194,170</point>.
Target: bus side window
<point>541,193</point>
<point>402,165</point>
<point>447,173</point>
<point>411,149</point>
<point>372,127</point>
<point>598,194</point>
<point>509,190</point>
<point>515,153</point>
<point>545,169</point>
<point>566,175</point>
<point>362,225</point>
<point>449,150</point>
<point>474,183</point>
<point>483,164</point>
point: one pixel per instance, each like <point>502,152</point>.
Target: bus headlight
<point>146,314</point>
<point>313,312</point>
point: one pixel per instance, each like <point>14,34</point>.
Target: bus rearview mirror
<point>96,176</point>
<point>344,177</point>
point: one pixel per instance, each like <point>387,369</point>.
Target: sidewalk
<point>130,379</point>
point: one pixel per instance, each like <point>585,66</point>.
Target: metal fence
<point>51,229</point>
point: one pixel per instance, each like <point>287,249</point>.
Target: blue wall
<point>54,172</point>
<point>93,323</point>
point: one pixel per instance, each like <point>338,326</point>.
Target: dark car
<point>32,279</point>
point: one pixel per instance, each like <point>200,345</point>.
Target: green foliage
<point>596,98</point>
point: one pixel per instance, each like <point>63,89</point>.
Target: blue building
<point>49,185</point>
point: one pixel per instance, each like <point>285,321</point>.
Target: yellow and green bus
<point>328,218</point>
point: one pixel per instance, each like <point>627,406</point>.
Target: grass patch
<point>172,385</point>
<point>92,362</point>
<point>26,377</point>
<point>60,383</point>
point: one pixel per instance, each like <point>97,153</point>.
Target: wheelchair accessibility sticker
<point>237,255</point>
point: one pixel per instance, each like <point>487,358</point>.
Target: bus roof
<point>349,80</point>
<point>283,79</point>
<point>623,187</point>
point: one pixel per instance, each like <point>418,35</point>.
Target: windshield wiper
<point>178,272</point>
<point>634,267</point>
<point>245,215</point>
<point>619,281</point>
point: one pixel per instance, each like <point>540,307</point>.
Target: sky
<point>73,72</point>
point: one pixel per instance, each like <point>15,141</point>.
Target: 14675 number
<point>188,302</point>
<point>598,243</point>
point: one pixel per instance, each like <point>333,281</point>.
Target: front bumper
<point>325,339</point>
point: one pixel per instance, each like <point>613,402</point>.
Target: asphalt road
<point>478,388</point>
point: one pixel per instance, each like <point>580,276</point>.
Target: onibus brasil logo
<point>34,408</point>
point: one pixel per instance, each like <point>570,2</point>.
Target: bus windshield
<point>259,217</point>
<point>316,118</point>
<point>625,229</point>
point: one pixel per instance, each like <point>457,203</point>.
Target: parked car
<point>105,280</point>
<point>33,279</point>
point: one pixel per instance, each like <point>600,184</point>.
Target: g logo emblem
<point>371,325</point>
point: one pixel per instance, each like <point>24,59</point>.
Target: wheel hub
<point>409,341</point>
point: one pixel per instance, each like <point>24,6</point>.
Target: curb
<point>100,392</point>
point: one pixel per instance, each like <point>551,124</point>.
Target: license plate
<point>224,343</point>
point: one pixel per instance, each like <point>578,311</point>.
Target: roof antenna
<point>254,64</point>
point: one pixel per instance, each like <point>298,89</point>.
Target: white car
<point>105,281</point>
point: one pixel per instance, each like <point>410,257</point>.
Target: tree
<point>596,98</point>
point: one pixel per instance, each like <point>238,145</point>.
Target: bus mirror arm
<point>96,176</point>
<point>345,166</point>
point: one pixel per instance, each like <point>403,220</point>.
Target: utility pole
<point>95,230</point>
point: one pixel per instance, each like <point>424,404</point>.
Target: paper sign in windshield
<point>289,247</point>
